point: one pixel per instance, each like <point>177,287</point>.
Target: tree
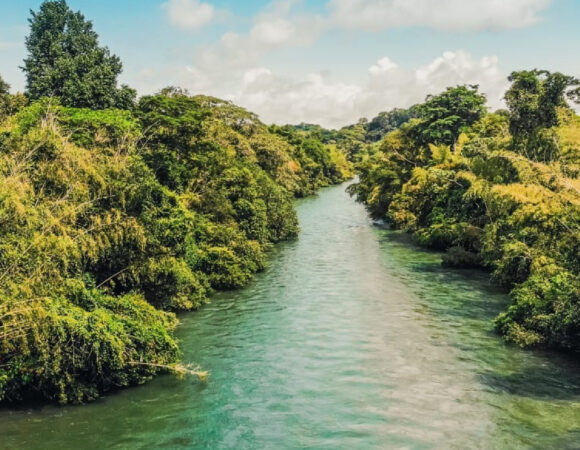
<point>9,104</point>
<point>65,60</point>
<point>446,115</point>
<point>4,87</point>
<point>4,97</point>
<point>534,99</point>
<point>386,122</point>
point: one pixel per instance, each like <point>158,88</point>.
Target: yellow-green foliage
<point>491,207</point>
<point>569,140</point>
<point>314,164</point>
<point>108,218</point>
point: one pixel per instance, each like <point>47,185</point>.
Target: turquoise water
<point>351,339</point>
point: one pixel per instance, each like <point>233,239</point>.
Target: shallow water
<point>352,338</point>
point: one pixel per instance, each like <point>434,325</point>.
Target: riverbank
<point>351,338</point>
<point>113,220</point>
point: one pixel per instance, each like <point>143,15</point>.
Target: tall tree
<point>65,60</point>
<point>386,122</point>
<point>534,99</point>
<point>445,116</point>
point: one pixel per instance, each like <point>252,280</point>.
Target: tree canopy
<point>386,122</point>
<point>9,103</point>
<point>534,99</point>
<point>4,97</point>
<point>445,116</point>
<point>4,87</point>
<point>65,61</point>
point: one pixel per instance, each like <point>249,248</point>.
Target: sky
<point>329,62</point>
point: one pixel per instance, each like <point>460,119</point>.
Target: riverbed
<point>353,338</point>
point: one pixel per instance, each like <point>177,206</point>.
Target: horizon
<point>328,63</point>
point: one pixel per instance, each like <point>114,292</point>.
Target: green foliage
<point>316,164</point>
<point>9,104</point>
<point>61,338</point>
<point>4,99</point>
<point>386,122</point>
<point>110,217</point>
<point>107,128</point>
<point>79,342</point>
<point>4,87</point>
<point>546,309</point>
<point>65,61</point>
<point>445,116</point>
<point>515,213</point>
<point>534,100</point>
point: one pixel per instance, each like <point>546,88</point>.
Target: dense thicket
<point>114,215</point>
<point>109,218</point>
<point>494,190</point>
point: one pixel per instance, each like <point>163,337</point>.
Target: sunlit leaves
<point>507,202</point>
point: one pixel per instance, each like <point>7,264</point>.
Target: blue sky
<point>324,61</point>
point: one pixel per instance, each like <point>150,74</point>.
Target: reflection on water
<point>352,338</point>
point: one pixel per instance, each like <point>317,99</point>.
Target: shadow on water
<point>558,378</point>
<point>465,293</point>
<point>538,374</point>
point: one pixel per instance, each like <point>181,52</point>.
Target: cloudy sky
<point>321,61</point>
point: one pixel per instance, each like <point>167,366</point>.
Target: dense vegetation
<point>494,190</point>
<point>361,139</point>
<point>113,219</point>
<point>115,213</point>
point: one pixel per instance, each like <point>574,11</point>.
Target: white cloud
<point>275,28</point>
<point>318,99</point>
<point>446,15</point>
<point>283,24</point>
<point>279,99</point>
<point>273,32</point>
<point>382,66</point>
<point>232,67</point>
<point>189,14</point>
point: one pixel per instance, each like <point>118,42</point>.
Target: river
<point>351,339</point>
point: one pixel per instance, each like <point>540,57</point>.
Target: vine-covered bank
<point>115,213</point>
<point>495,190</point>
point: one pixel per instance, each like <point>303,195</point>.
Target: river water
<point>352,339</point>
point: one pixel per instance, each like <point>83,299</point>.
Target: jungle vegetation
<point>117,213</point>
<point>496,190</point>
